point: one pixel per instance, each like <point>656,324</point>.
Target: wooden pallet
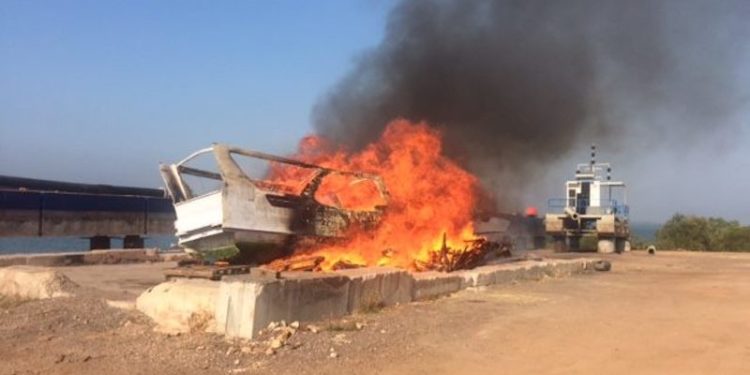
<point>210,272</point>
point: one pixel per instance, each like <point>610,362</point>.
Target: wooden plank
<point>204,272</point>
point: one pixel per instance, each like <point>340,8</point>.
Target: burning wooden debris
<point>309,263</point>
<point>344,264</point>
<point>445,259</point>
<point>199,269</point>
<point>448,259</point>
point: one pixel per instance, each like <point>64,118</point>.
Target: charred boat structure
<point>226,204</point>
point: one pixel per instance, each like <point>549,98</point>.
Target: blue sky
<point>101,91</point>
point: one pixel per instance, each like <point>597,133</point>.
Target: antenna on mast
<point>593,155</point>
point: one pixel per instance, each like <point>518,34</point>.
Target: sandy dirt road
<point>672,313</point>
<point>667,314</point>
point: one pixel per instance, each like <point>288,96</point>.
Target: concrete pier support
<point>606,246</point>
<point>133,242</point>
<point>100,243</point>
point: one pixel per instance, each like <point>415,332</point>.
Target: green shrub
<point>736,239</point>
<point>703,234</point>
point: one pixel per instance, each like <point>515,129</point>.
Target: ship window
<point>200,175</point>
<point>571,198</point>
<point>276,176</point>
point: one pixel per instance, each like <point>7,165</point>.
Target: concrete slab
<point>522,270</point>
<point>375,287</point>
<point>309,296</point>
<point>432,284</point>
<point>537,270</point>
<point>480,276</point>
<point>235,307</point>
<point>183,305</point>
<point>573,266</point>
<point>246,304</point>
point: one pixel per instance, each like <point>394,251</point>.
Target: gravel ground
<point>669,313</point>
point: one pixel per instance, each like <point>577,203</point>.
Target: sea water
<point>26,245</point>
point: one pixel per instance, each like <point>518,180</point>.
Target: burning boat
<point>226,205</point>
<point>327,208</point>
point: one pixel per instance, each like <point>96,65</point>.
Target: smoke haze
<point>517,85</point>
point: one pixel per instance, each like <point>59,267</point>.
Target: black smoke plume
<point>516,85</point>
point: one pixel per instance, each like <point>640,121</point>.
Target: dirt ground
<point>672,313</point>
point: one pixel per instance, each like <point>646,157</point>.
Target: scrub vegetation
<point>703,234</point>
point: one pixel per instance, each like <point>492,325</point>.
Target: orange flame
<point>429,195</point>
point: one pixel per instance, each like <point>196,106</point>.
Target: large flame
<point>430,196</point>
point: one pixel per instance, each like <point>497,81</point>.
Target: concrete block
<point>536,270</point>
<point>480,276</point>
<point>549,268</point>
<point>243,305</point>
<point>523,270</point>
<point>375,287</point>
<point>29,282</point>
<point>236,306</point>
<point>586,265</point>
<point>483,275</point>
<point>246,305</point>
<point>433,284</point>
<point>182,305</point>
<point>569,267</point>
<point>513,272</point>
<point>307,296</point>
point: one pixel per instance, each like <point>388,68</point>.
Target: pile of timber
<point>447,259</point>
